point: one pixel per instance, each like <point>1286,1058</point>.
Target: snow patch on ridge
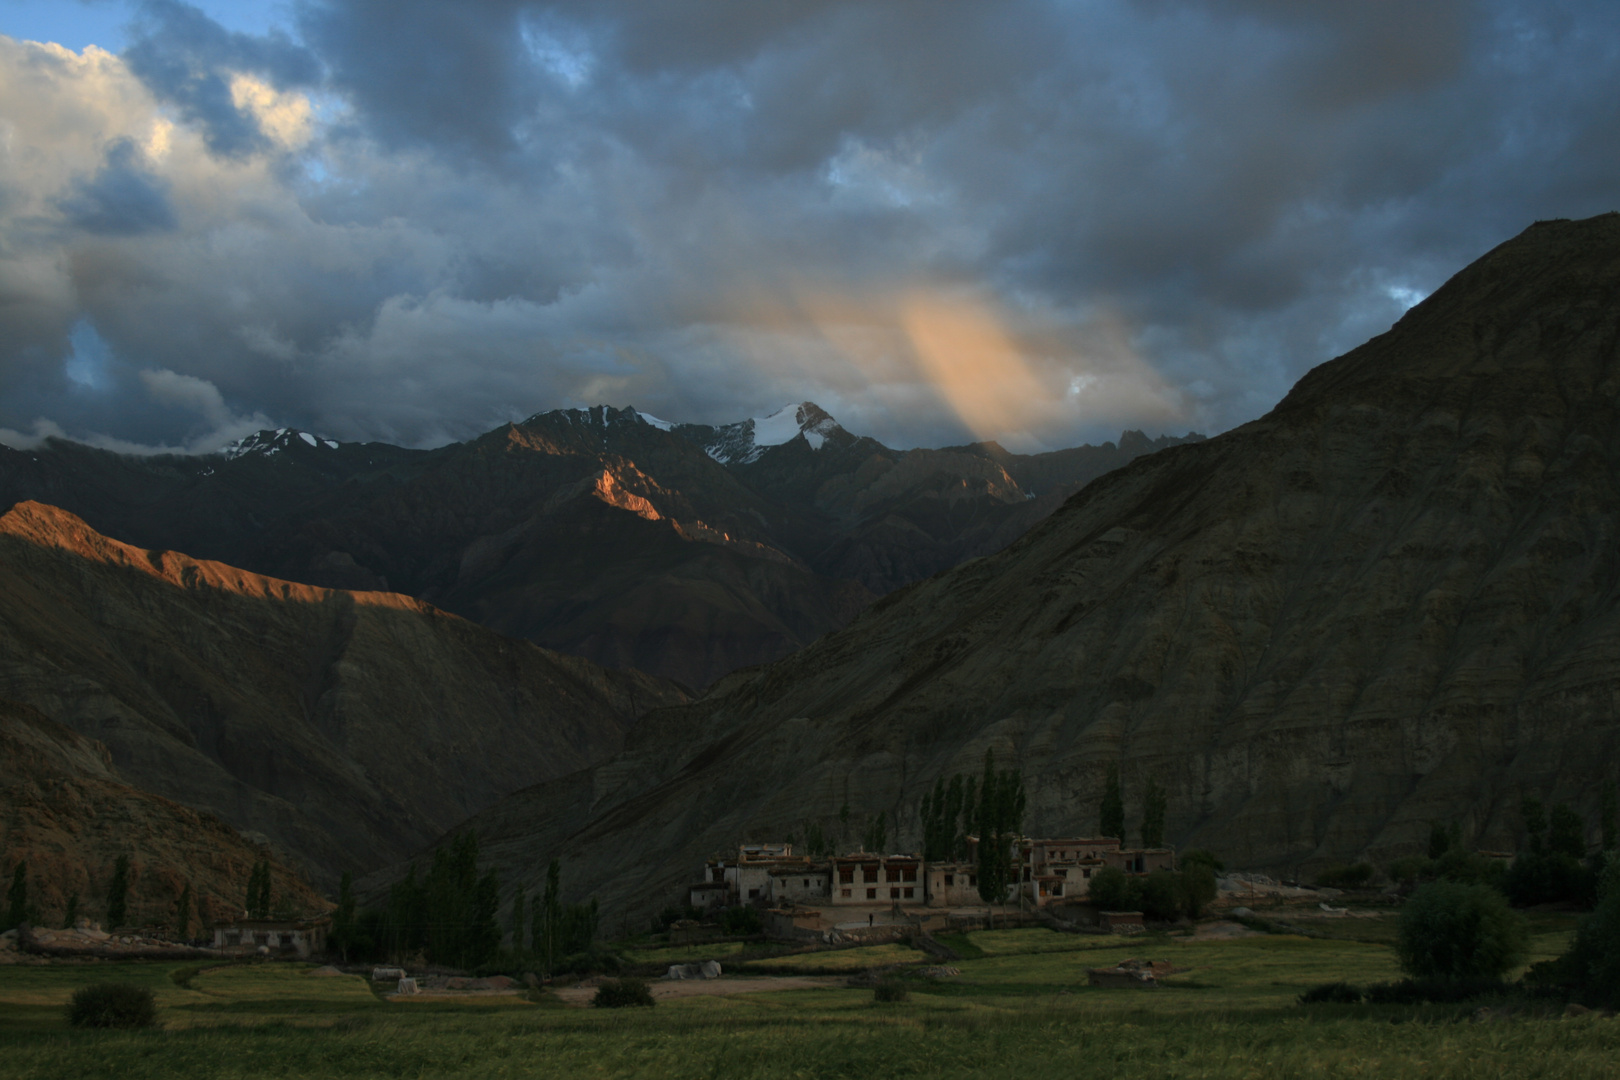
<point>268,443</point>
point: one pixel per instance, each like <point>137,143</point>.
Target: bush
<point>592,961</point>
<point>1595,953</point>
<point>1161,896</point>
<point>1434,991</point>
<point>1547,878</point>
<point>1345,877</point>
<point>742,920</point>
<point>1455,932</point>
<point>1197,888</point>
<point>1111,890</point>
<point>623,993</point>
<point>1410,870</point>
<point>1200,857</point>
<point>1469,868</point>
<point>1338,993</point>
<point>889,991</point>
<point>112,1005</point>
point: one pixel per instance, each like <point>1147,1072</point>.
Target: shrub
<point>1345,877</point>
<point>1337,993</point>
<point>1595,953</point>
<point>1161,895</point>
<point>1450,931</point>
<point>112,1005</point>
<point>742,920</point>
<point>623,993</point>
<point>1469,868</point>
<point>1410,869</point>
<point>1434,991</point>
<point>1547,878</point>
<point>1200,856</point>
<point>1197,888</point>
<point>889,991</point>
<point>591,961</point>
<point>1111,889</point>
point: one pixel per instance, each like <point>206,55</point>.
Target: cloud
<point>122,199</point>
<point>1034,220</point>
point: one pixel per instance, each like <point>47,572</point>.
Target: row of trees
<point>991,809</point>
<point>1111,811</point>
<point>19,909</point>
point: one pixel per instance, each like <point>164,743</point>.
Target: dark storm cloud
<point>186,58</point>
<point>123,198</point>
<point>1169,209</point>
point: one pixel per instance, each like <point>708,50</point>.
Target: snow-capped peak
<point>269,442</point>
<point>746,441</point>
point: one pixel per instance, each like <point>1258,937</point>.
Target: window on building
<point>894,894</point>
<point>719,874</point>
<point>893,874</point>
<point>911,893</point>
<point>753,894</point>
<point>1057,888</point>
<point>973,879</point>
<point>844,893</point>
<point>909,873</point>
<point>846,875</point>
<point>871,894</point>
<point>869,873</point>
<point>1086,872</point>
<point>950,879</point>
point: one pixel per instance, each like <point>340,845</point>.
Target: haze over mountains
<point>680,550</point>
<point>1392,600</point>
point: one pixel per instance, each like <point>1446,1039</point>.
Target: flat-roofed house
<point>865,878</point>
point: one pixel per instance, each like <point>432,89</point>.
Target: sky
<point>1036,221</point>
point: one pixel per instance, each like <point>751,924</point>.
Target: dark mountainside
<point>593,532</point>
<point>348,728</point>
<point>1390,601</point>
<point>65,811</point>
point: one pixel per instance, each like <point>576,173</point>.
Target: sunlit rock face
<point>347,728</point>
<point>1390,601</point>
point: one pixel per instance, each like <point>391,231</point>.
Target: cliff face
<point>350,728</point>
<point>1390,601</point>
<point>66,812</point>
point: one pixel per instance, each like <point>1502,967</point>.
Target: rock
<point>1242,913</point>
<point>709,969</point>
<point>407,986</point>
<point>387,974</point>
<point>1572,1009</point>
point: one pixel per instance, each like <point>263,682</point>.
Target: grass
<point>1022,1008</point>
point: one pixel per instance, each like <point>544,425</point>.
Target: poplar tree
<point>344,925</point>
<point>1001,819</point>
<point>182,914</point>
<point>17,897</point>
<point>118,893</point>
<point>1608,814</point>
<point>1111,815</point>
<point>1535,822</point>
<point>1154,804</point>
<point>72,915</point>
<point>518,912</point>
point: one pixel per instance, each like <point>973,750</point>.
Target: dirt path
<point>665,989</point>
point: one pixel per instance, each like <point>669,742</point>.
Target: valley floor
<point>1020,1006</point>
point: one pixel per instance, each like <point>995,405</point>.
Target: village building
<point>865,878</point>
<point>953,884</point>
<point>279,937</point>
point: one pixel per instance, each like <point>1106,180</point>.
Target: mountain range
<point>682,551</point>
<point>1391,601</point>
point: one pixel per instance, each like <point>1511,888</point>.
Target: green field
<point>1021,1009</point>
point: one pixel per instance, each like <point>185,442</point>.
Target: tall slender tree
<point>1001,818</point>
<point>345,925</point>
<point>1154,804</point>
<point>182,914</point>
<point>545,925</point>
<point>118,893</point>
<point>17,896</point>
<point>519,911</point>
<point>1608,814</point>
<point>1111,814</point>
<point>71,916</point>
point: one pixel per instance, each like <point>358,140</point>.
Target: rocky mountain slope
<point>681,550</point>
<point>66,812</point>
<point>348,728</point>
<point>1394,599</point>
